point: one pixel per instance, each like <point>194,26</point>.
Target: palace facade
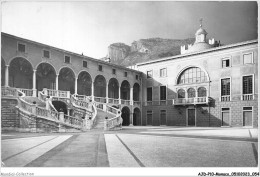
<point>206,85</point>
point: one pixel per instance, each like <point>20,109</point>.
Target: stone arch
<point>60,106</point>
<point>20,73</point>
<point>67,80</point>
<point>84,83</point>
<point>137,116</point>
<point>187,69</point>
<point>125,90</point>
<point>125,114</point>
<point>45,76</point>
<point>136,92</point>
<point>100,86</point>
<point>44,62</point>
<point>2,72</point>
<point>113,88</point>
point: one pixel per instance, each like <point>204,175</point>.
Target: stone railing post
<point>45,92</point>
<point>84,124</point>
<point>106,124</point>
<point>61,116</point>
<point>34,109</point>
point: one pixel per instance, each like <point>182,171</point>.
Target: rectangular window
<point>67,59</point>
<point>247,84</point>
<point>113,71</point>
<point>149,116</point>
<point>225,62</point>
<point>247,108</point>
<point>163,72</point>
<point>46,54</point>
<point>136,77</point>
<point>125,74</point>
<point>149,94</point>
<point>149,74</point>
<point>85,64</point>
<point>225,87</point>
<point>248,58</point>
<point>100,67</point>
<point>21,47</point>
<point>162,92</point>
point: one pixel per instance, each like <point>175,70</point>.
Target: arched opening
<point>125,90</point>
<point>191,93</point>
<point>20,73</point>
<point>113,88</point>
<point>137,117</point>
<point>45,77</point>
<point>67,80</point>
<point>100,86</point>
<point>202,92</point>
<point>2,72</point>
<point>181,93</point>
<point>125,116</point>
<point>192,75</point>
<point>84,83</point>
<point>60,106</point>
<point>136,92</point>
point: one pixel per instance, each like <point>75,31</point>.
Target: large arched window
<point>202,92</point>
<point>191,93</point>
<point>192,75</point>
<point>181,93</point>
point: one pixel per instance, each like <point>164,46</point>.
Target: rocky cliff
<point>145,50</point>
<point>118,51</point>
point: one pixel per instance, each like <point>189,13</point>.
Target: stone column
<point>107,93</point>
<point>131,96</point>
<point>76,86</point>
<point>34,83</point>
<point>68,111</point>
<point>131,116</point>
<point>7,75</point>
<point>119,94</point>
<point>92,91</point>
<point>57,81</point>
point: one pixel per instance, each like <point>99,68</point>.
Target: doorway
<point>225,116</point>
<point>247,116</point>
<point>191,117</point>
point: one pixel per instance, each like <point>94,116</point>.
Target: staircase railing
<point>83,97</point>
<point>9,91</point>
<point>73,121</point>
<point>115,122</point>
<point>27,92</point>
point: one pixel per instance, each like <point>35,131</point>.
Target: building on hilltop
<point>206,85</point>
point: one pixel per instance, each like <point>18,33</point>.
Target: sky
<point>90,27</point>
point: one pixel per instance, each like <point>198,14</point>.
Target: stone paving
<point>134,147</point>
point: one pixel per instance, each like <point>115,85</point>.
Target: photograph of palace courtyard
<point>129,84</point>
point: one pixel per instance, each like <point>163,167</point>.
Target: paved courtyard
<point>134,147</point>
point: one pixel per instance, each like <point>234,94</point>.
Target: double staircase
<point>40,112</point>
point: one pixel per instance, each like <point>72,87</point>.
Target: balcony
<point>247,97</point>
<point>225,98</point>
<point>187,101</point>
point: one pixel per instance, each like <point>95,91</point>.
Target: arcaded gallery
<point>47,89</point>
